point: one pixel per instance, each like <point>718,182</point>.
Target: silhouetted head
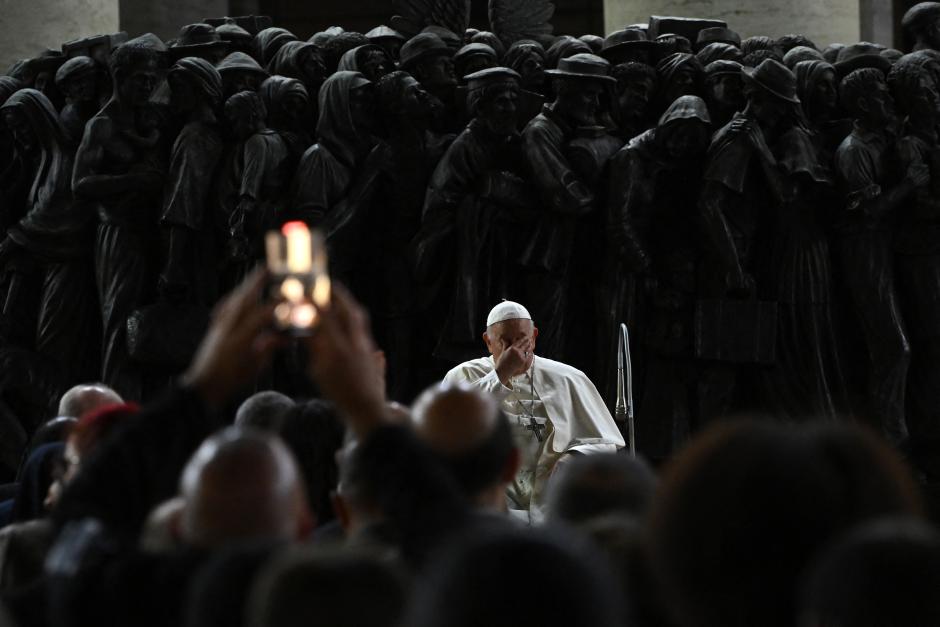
<point>243,486</point>
<point>744,509</point>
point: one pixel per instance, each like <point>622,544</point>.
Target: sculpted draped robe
<point>569,416</point>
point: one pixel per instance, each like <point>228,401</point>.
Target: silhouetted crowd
<point>760,212</point>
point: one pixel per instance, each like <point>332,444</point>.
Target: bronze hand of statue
<point>238,247</point>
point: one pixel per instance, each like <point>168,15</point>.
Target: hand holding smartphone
<point>299,279</point>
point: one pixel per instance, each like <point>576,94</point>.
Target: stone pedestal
<point>31,26</point>
<point>823,22</point>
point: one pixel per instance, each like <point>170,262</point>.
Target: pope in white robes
<point>554,410</point>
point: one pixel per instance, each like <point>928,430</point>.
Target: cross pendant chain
<point>537,428</point>
<point>533,424</point>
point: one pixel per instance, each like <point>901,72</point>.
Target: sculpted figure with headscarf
<point>288,105</point>
<point>116,168</point>
<point>336,178</point>
<point>252,184</point>
<point>817,85</point>
<point>54,237</point>
<point>195,95</point>
<point>564,150</point>
<point>766,244</point>
<point>654,251</point>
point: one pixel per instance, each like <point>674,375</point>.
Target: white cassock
<point>553,409</point>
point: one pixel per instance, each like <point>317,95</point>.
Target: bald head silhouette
<point>243,485</point>
<point>87,397</point>
<point>467,430</point>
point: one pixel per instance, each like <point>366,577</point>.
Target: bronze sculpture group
<point>763,214</point>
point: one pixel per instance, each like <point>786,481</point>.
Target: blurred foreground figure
<point>766,498</point>
<point>554,410</point>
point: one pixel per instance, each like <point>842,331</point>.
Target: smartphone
<point>299,279</point>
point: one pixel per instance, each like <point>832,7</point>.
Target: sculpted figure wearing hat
<point>473,58</point>
<point>431,61</point>
<point>119,171</point>
<point>471,234</point>
<point>627,45</point>
<point>654,243</point>
<point>199,40</point>
<point>864,242</point>
<point>554,410</point>
<point>761,176</point>
<point>196,96</point>
<point>579,83</point>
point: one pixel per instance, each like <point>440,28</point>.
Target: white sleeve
<point>591,448</point>
<point>489,383</point>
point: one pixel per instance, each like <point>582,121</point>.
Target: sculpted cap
<point>507,310</point>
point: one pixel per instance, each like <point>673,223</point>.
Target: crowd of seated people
<point>172,459</point>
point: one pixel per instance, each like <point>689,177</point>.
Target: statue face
<point>532,71</point>
<point>19,126</point>
<point>136,88</point>
<point>238,80</point>
<point>924,101</point>
<point>362,107</point>
<point>579,101</point>
<point>82,88</point>
<point>43,81</point>
<point>682,83</point>
<point>498,111</point>
<point>826,91</point>
<point>375,65</point>
<point>417,103</point>
<point>635,95</point>
<point>878,105</point>
<point>476,63</point>
<point>438,72</point>
<point>391,46</point>
<point>241,121</point>
<point>295,106</point>
<point>727,90</point>
<point>933,34</point>
<point>183,95</point>
<point>313,68</point>
<point>767,108</point>
<point>687,139</point>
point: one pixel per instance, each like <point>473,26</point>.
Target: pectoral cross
<point>536,427</point>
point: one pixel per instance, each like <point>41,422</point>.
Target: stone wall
<point>165,17</point>
<point>823,21</point>
<point>30,26</point>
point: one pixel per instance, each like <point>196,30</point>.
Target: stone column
<point>164,18</point>
<point>825,22</point>
<point>31,26</point>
